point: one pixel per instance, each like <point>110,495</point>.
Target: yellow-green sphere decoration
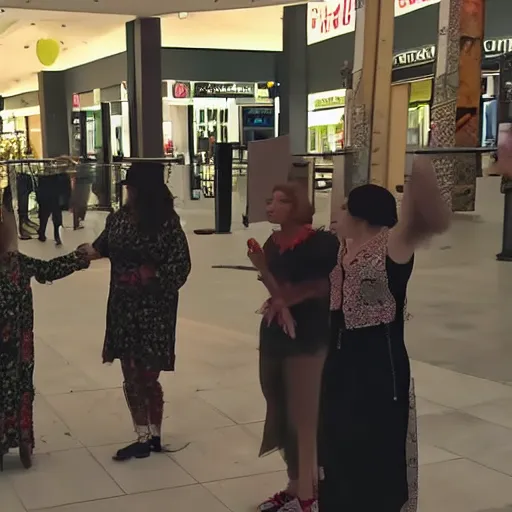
<point>47,51</point>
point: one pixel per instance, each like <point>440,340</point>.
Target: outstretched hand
<point>89,251</point>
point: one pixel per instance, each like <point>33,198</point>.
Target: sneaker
<point>297,505</point>
<point>275,503</point>
<point>136,450</point>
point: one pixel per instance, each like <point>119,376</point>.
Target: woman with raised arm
<point>365,405</point>
<point>150,262</point>
<point>294,265</point>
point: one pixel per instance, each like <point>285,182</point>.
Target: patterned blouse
<point>360,287</point>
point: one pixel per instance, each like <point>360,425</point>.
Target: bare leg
<point>303,376</point>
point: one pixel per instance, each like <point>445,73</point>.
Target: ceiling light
<point>182,15</point>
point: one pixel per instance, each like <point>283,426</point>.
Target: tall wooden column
<point>456,104</point>
<point>370,109</point>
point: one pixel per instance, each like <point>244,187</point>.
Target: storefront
<point>197,115</point>
<point>416,66</point>
<point>21,127</point>
<point>326,126</point>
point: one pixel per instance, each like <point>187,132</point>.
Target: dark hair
<point>153,207</point>
<point>373,204</point>
<point>302,209</point>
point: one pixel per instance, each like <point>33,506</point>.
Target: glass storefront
<point>21,133</point>
<point>326,126</point>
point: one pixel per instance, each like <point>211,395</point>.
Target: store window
<point>326,124</point>
<point>418,126</point>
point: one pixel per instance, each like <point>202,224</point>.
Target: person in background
<point>294,265</point>
<point>16,332</point>
<point>367,396</point>
<point>150,262</point>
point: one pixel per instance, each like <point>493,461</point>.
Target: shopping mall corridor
<point>458,335</point>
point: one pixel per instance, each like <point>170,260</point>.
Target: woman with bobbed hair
<point>294,264</point>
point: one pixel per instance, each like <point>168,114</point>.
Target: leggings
<point>144,396</point>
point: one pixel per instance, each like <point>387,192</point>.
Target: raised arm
<point>57,268</point>
<point>425,211</point>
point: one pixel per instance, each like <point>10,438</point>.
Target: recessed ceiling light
<point>182,15</point>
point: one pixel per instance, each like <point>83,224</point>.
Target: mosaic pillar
<point>467,127</point>
<point>456,101</point>
<point>373,56</point>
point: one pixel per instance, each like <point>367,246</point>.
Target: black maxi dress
<point>366,414</point>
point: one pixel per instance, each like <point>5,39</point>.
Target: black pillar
<point>144,50</point>
<point>293,78</point>
<point>55,115</point>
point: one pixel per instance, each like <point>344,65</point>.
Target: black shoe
<point>41,237</point>
<point>155,443</point>
<point>136,450</point>
<point>24,234</point>
<point>58,241</point>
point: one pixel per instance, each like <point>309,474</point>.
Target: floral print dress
<point>141,313</point>
<point>17,339</point>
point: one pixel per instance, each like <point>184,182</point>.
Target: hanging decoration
<point>47,51</point>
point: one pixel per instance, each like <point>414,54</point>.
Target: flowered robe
<point>17,339</point>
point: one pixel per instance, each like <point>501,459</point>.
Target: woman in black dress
<point>367,405</point>
<point>150,262</point>
<point>294,264</point>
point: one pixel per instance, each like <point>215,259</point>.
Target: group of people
<point>150,262</point>
<point>334,368</point>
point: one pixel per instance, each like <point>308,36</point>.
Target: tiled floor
<point>458,337</point>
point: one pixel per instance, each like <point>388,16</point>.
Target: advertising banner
<point>337,17</point>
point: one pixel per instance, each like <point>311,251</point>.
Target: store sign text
<point>426,54</point>
<point>337,17</point>
<point>221,90</point>
<point>330,102</point>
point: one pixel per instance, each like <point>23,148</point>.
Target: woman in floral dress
<point>16,332</point>
<point>150,262</point>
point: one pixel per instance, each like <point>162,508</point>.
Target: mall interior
<point>171,81</point>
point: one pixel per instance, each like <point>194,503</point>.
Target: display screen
<point>258,117</point>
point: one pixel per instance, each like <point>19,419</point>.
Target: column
<point>371,84</point>
<point>55,115</point>
<point>456,104</point>
<point>293,79</point>
<point>144,50</point>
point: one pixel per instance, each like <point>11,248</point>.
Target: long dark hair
<point>153,208</point>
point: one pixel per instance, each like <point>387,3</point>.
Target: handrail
<point>451,150</point>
